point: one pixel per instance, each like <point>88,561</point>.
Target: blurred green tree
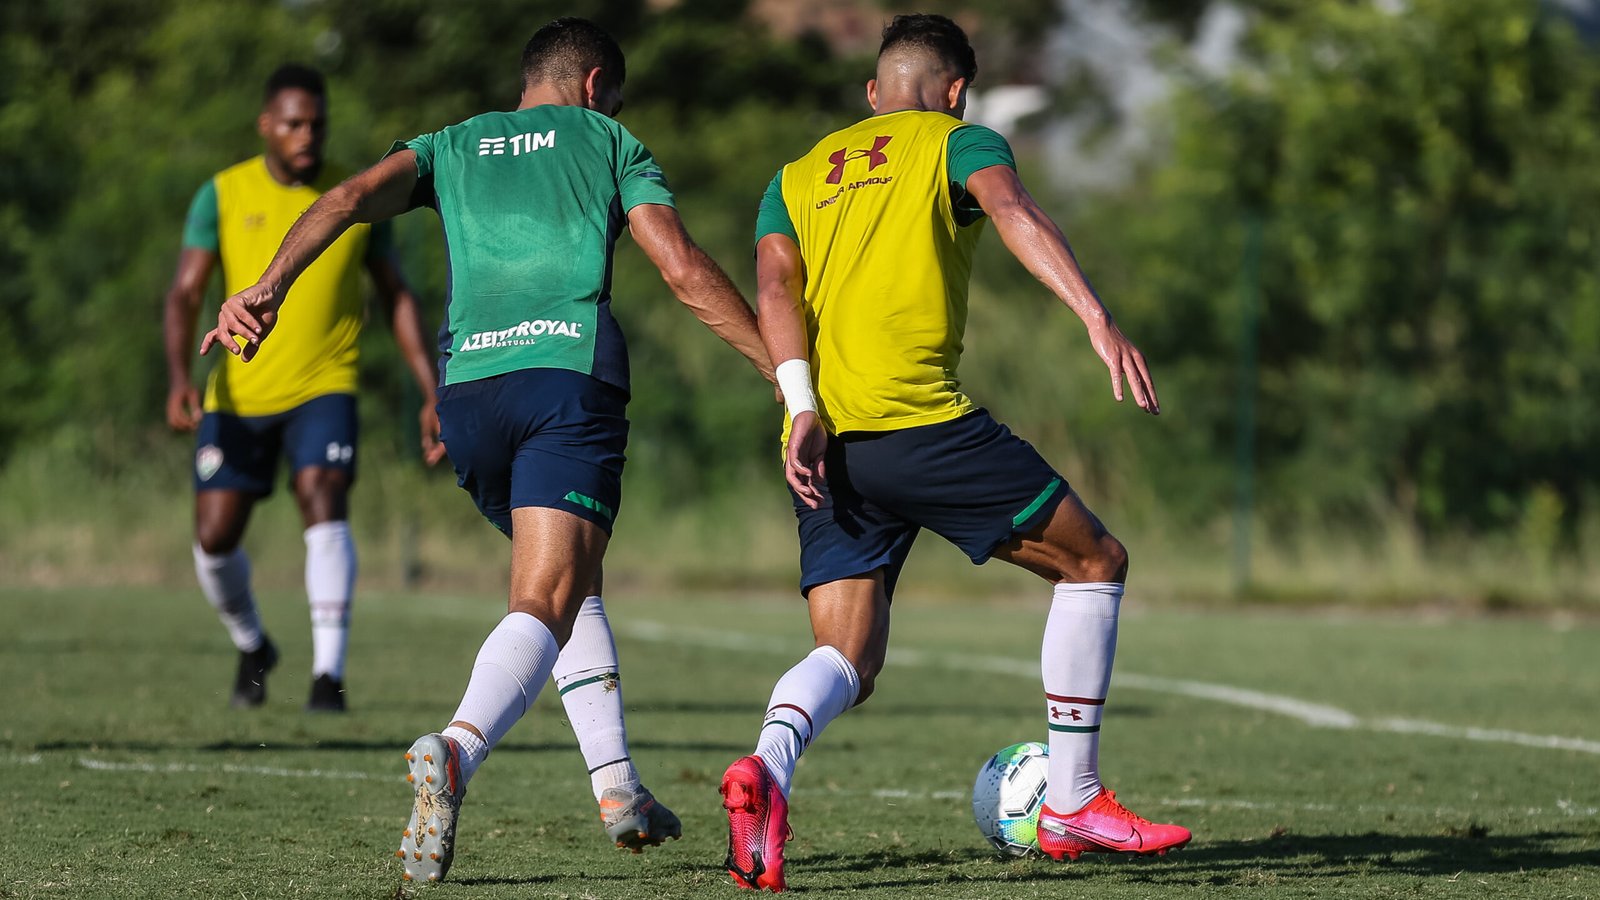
<point>1424,173</point>
<point>1431,305</point>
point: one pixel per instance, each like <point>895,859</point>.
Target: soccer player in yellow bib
<point>864,248</point>
<point>300,402</point>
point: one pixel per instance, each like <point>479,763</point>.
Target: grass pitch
<point>1313,755</point>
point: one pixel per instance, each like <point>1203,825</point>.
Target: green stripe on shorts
<point>1033,507</point>
<point>596,505</point>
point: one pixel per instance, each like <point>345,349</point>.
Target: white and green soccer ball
<point>1008,795</point>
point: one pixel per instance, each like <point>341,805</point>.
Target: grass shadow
<point>1254,863</point>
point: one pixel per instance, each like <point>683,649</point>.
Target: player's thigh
<point>571,450</point>
<point>545,438</point>
<point>970,480</point>
<point>234,463</point>
<point>849,536</point>
<point>319,439</point>
<point>481,449</point>
<point>1072,546</point>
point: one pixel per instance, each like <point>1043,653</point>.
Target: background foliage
<point>1423,182</point>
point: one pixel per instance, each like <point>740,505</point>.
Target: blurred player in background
<point>864,248</point>
<point>534,389</point>
<point>300,404</point>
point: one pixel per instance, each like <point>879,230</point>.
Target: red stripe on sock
<point>1086,701</point>
<point>807,716</point>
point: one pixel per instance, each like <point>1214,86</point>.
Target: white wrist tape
<point>794,379</point>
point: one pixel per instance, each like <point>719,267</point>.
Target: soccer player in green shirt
<point>533,380</point>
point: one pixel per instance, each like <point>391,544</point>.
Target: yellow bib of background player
<point>312,351</point>
<point>886,272</point>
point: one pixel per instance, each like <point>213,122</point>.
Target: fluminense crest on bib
<point>207,460</point>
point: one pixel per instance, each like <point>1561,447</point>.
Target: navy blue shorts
<point>537,437</point>
<point>969,480</point>
<point>240,453</point>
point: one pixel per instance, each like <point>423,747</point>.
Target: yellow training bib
<point>886,272</point>
<point>313,349</point>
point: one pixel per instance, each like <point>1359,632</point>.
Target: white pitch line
<point>101,765</point>
<point>1314,714</point>
<point>1543,741</point>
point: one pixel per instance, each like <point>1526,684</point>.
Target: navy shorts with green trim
<point>970,481</point>
<point>549,438</point>
<point>240,453</point>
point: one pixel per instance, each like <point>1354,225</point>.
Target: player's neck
<point>547,94</point>
<point>911,100</point>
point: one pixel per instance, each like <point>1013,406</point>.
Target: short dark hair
<point>569,47</point>
<point>293,76</point>
<point>933,34</point>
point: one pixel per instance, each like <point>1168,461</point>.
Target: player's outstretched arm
<point>405,318</point>
<point>1038,243</point>
<point>380,192</point>
<point>780,288</point>
<point>697,281</point>
<point>182,307</point>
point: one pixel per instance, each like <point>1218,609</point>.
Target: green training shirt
<point>532,203</point>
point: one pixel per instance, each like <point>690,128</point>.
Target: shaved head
<point>926,46</point>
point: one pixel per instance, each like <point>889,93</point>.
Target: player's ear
<point>591,88</point>
<point>957,97</point>
<point>263,123</point>
<point>872,93</point>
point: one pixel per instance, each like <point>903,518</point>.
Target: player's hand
<point>1125,361</point>
<point>249,314</point>
<point>803,464</point>
<point>183,407</point>
<point>432,447</point>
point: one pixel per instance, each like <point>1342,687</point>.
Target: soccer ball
<point>1008,795</point>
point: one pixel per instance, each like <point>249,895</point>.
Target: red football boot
<point>1106,826</point>
<point>758,825</point>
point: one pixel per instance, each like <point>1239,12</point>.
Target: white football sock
<point>591,690</point>
<point>809,696</point>
<point>1080,640</point>
<point>513,664</point>
<point>225,580</point>
<point>330,584</point>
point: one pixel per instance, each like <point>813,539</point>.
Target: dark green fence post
<point>1245,436</point>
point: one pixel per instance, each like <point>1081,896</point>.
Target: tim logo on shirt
<point>520,144</point>
<point>875,157</point>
